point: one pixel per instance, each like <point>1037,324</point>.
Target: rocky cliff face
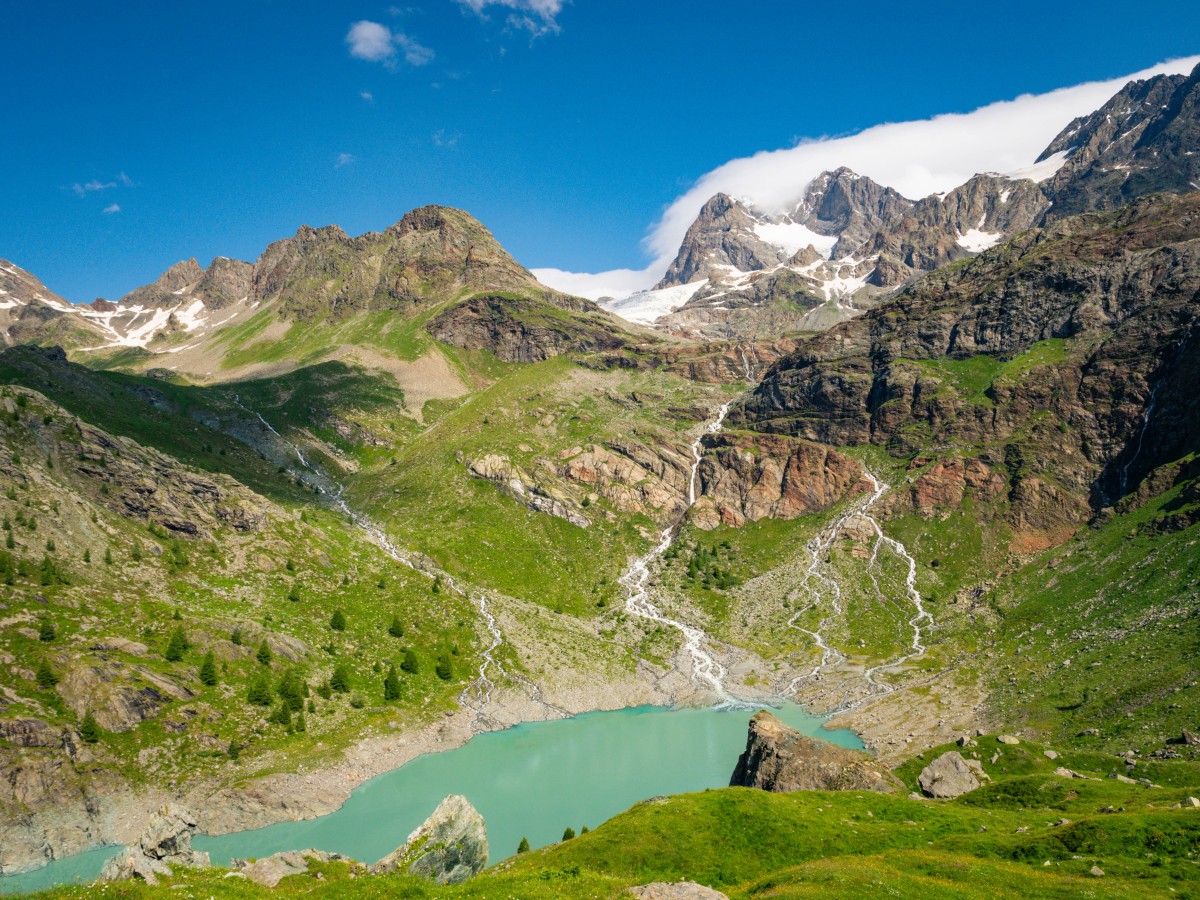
<point>1060,361</point>
<point>779,758</point>
<point>449,847</point>
<point>1145,139</point>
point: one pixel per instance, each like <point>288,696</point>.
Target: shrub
<point>46,631</point>
<point>260,691</point>
<point>443,668</point>
<point>523,847</point>
<point>46,678</point>
<point>339,681</point>
<point>568,833</point>
<point>410,665</point>
<point>391,685</point>
<point>264,653</point>
<point>338,622</point>
<point>396,629</point>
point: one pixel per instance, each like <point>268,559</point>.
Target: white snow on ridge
<point>792,236</point>
<point>1040,172</point>
<point>646,307</point>
<point>977,241</point>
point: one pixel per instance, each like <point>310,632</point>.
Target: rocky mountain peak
<point>849,206</point>
<point>723,238</point>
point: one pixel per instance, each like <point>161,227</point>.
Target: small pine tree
<point>443,669</point>
<point>437,585</point>
<point>264,653</point>
<point>396,629</point>
<point>50,545</point>
<point>136,553</point>
<point>208,669</point>
<point>391,685</point>
<point>87,556</point>
<point>584,830</point>
<point>281,715</point>
<point>108,556</point>
<point>9,541</point>
<point>294,594</point>
<point>410,665</point>
<point>234,752</point>
<point>293,690</point>
<point>299,726</point>
<point>340,679</point>
<point>46,678</point>
<point>88,729</point>
<point>236,637</point>
<point>523,847</point>
<point>46,631</point>
<point>260,691</point>
<point>569,833</point>
<point>338,622</point>
<point>176,646</point>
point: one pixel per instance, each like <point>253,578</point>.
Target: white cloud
<point>112,208</point>
<point>443,138</point>
<point>93,186</point>
<point>916,158</point>
<point>614,283</point>
<point>367,95</point>
<point>378,43</point>
<point>536,16</point>
<point>344,159</point>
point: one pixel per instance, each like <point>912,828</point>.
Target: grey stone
<point>166,842</point>
<point>449,847</point>
<point>270,870</point>
<point>949,776</point>
<point>680,890</point>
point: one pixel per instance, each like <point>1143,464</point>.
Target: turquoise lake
<point>530,781</point>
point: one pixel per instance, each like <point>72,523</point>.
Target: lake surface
<point>530,781</point>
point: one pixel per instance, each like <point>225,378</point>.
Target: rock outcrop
<point>449,847</point>
<point>271,870</point>
<point>950,775</point>
<point>677,890</point>
<point>511,480</point>
<point>166,842</point>
<point>780,759</point>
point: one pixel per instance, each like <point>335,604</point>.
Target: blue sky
<point>567,127</point>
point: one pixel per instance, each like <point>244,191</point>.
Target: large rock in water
<point>779,758</point>
<point>950,775</point>
<point>449,847</point>
<point>166,842</point>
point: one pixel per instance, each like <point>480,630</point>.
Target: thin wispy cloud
<point>344,159</point>
<point>535,16</point>
<point>112,208</point>
<point>367,95</point>
<point>916,158</point>
<point>96,186</point>
<point>444,138</point>
<point>378,43</point>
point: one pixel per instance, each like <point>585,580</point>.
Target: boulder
<point>166,842</point>
<point>1008,739</point>
<point>950,776</point>
<point>449,847</point>
<point>271,870</point>
<point>680,890</point>
<point>779,758</point>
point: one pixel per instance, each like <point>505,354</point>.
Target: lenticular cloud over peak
<point>916,158</point>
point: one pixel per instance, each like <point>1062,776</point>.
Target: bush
<point>338,622</point>
<point>236,637</point>
<point>264,653</point>
<point>568,833</point>
<point>293,690</point>
<point>443,668</point>
<point>46,631</point>
<point>410,665</point>
<point>294,594</point>
<point>339,681</point>
<point>396,629</point>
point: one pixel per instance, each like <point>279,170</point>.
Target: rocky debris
<point>633,476</point>
<point>511,480</point>
<point>750,477</point>
<point>1064,772</point>
<point>951,775</point>
<point>1008,739</point>
<point>780,759</point>
<point>271,870</point>
<point>117,644</point>
<point>449,847</point>
<point>1190,738</point>
<point>528,329</point>
<point>1050,754</point>
<point>1188,803</point>
<point>679,890</point>
<point>1096,871</point>
<point>166,842</point>
<point>31,732</point>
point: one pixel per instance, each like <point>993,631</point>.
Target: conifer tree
<point>523,847</point>
<point>391,685</point>
<point>338,622</point>
<point>340,679</point>
<point>46,631</point>
<point>569,833</point>
<point>176,646</point>
<point>88,729</point>
<point>409,665</point>
<point>264,653</point>
<point>46,678</point>
<point>208,669</point>
<point>396,629</point>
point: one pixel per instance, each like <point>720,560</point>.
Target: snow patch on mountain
<point>792,236</point>
<point>646,307</point>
